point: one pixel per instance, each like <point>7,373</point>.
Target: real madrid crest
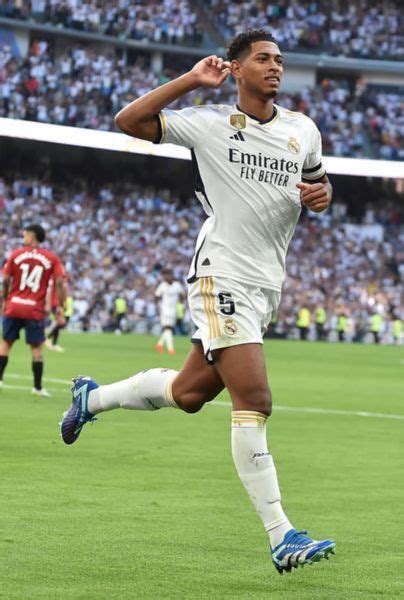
<point>238,121</point>
<point>230,327</point>
<point>293,145</point>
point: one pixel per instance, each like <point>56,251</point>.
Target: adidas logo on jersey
<point>238,136</point>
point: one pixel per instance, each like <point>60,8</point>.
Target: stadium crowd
<point>365,29</point>
<point>85,88</point>
<point>165,21</point>
<point>115,240</point>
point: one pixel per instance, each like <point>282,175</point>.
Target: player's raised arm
<point>139,117</point>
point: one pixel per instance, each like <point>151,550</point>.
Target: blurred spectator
<point>165,21</point>
<point>365,29</point>
<point>116,238</point>
<point>86,88</point>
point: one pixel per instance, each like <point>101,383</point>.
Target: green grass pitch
<point>148,505</point>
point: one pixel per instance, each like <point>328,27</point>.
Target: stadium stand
<point>84,87</point>
<point>81,83</point>
<point>128,233</point>
<point>365,29</point>
<point>166,21</point>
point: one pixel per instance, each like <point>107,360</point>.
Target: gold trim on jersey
<point>209,303</point>
<point>163,127</point>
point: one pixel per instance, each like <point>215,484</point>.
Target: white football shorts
<point>168,318</point>
<point>229,313</point>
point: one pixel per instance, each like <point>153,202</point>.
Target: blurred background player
<point>120,310</point>
<point>26,277</point>
<point>180,310</point>
<point>169,292</point>
<point>303,322</point>
<point>321,319</point>
<point>342,326</point>
<point>376,326</point>
<point>58,321</point>
<point>397,330</point>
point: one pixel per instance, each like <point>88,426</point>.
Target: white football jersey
<point>246,173</point>
<point>169,294</point>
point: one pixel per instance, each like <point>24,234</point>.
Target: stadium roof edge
<point>119,142</point>
<point>293,58</point>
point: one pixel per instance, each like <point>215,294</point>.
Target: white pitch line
<point>297,409</point>
<point>327,411</point>
<point>25,388</point>
<point>50,379</point>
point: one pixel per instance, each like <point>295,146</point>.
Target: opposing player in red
<point>26,277</point>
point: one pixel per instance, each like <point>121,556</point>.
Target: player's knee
<point>37,354</point>
<point>257,400</point>
<point>191,402</point>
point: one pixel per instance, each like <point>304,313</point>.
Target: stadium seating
<point>85,88</point>
<point>166,21</point>
<point>127,233</point>
<point>371,28</point>
<point>367,29</point>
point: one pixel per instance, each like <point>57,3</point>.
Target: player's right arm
<point>59,275</point>
<point>139,118</point>
<point>61,291</point>
<point>6,289</point>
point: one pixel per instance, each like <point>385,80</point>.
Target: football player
<point>255,165</point>
<point>26,277</point>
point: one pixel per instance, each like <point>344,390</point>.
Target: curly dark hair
<point>38,230</point>
<point>243,42</point>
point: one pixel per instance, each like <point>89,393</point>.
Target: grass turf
<point>149,505</point>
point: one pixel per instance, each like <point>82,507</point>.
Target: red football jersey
<point>30,269</point>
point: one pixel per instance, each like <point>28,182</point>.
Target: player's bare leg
<point>197,382</point>
<point>188,389</point>
<point>243,371</point>
<point>152,389</point>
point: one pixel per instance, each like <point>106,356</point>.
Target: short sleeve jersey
<point>245,173</point>
<point>31,269</point>
<point>169,294</point>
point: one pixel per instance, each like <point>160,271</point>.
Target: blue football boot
<point>298,549</point>
<point>78,414</point>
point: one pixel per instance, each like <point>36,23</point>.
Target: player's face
<point>28,237</point>
<point>260,72</point>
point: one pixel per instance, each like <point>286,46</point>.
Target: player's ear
<point>235,67</point>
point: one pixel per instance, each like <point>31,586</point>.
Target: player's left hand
<point>60,319</point>
<point>316,196</point>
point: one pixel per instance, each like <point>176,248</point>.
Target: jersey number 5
<point>31,279</point>
<point>227,306</point>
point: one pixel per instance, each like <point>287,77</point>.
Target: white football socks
<point>167,339</point>
<point>147,390</point>
<point>256,470</point>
